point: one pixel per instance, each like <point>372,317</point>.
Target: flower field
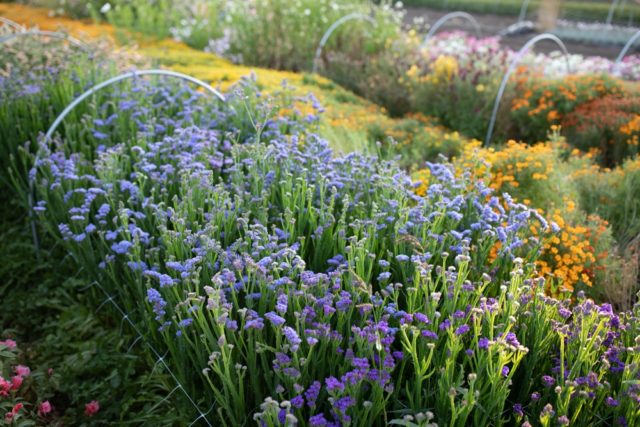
<point>302,249</point>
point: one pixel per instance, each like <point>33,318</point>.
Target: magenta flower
<point>45,408</point>
<point>91,408</point>
<point>22,371</point>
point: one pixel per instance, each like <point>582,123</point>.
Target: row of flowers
<point>319,288</point>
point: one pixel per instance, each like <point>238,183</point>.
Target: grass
<point>43,306</point>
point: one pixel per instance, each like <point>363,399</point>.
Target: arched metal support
<point>514,63</point>
<point>51,34</point>
<point>332,28</point>
<point>85,95</point>
<point>12,24</point>
<point>449,16</point>
<point>612,11</point>
<point>523,11</point>
<point>624,51</point>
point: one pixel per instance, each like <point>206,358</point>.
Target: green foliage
<point>284,35</point>
<point>194,22</point>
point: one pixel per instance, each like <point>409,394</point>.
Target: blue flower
<point>121,247</point>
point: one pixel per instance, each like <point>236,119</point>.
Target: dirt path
<point>492,24</point>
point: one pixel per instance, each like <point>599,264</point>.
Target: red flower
<point>5,387</point>
<point>45,408</point>
<point>9,416</point>
<point>91,408</point>
<point>16,382</point>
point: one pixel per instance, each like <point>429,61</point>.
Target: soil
<point>493,24</point>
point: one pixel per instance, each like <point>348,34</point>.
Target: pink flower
<point>44,408</point>
<point>5,387</point>
<point>16,382</point>
<point>9,416</point>
<point>91,408</point>
<point>22,370</point>
<point>50,371</point>
<point>10,344</point>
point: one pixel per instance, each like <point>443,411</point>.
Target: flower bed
<point>285,283</point>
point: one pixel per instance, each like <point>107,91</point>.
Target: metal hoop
<point>12,24</point>
<point>523,11</point>
<point>332,28</point>
<point>624,51</point>
<point>449,16</point>
<point>612,10</point>
<point>52,34</point>
<point>516,60</point>
<point>85,95</point>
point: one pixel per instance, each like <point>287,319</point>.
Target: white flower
<point>105,8</point>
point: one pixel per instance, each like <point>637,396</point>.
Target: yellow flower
<point>445,67</point>
<point>480,88</point>
<point>413,71</point>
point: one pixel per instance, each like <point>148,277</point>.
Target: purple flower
<point>185,322</point>
<point>535,396</point>
<point>360,362</point>
<point>429,334</point>
<point>384,276</point>
<point>420,317</point>
<point>483,343</point>
<point>505,371</point>
<point>512,339</point>
<point>281,305</point>
<point>344,403</point>
<point>312,393</point>
<point>317,421</point>
<point>297,402</point>
<point>333,384</point>
<point>461,330</point>
<point>292,336</point>
<point>274,318</point>
<point>565,313</point>
<point>548,381</point>
<point>517,409</point>
<point>155,299</point>
<point>610,401</point>
<point>121,247</point>
<point>257,323</point>
<point>231,325</point>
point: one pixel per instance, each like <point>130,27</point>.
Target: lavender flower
<point>292,336</point>
<point>274,318</point>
